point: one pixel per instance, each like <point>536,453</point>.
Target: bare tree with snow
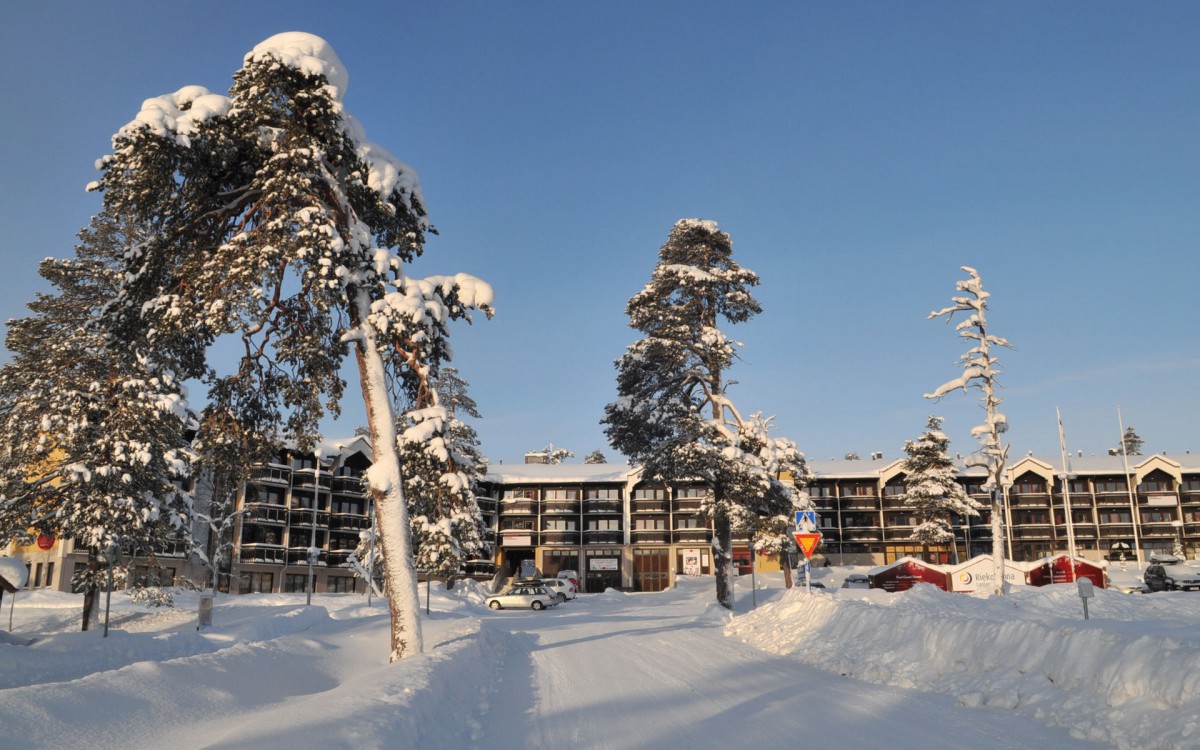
<point>673,415</point>
<point>980,371</point>
<point>931,487</point>
<point>280,226</point>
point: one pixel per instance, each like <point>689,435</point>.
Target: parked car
<point>1168,574</point>
<point>523,594</point>
<point>570,575</point>
<point>857,581</point>
<point>562,588</point>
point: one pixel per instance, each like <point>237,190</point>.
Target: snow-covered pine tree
<point>442,468</point>
<point>673,416</point>
<point>981,371</point>
<point>595,457</point>
<point>278,224</point>
<point>94,433</point>
<point>931,489</point>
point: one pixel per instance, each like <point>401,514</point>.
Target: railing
<point>304,517</point>
<point>649,506</point>
<point>354,521</point>
<point>602,506</point>
<point>569,507</point>
<point>643,536</point>
<point>521,507</point>
<point>266,513</point>
<point>603,536</point>
<point>349,485</point>
<point>688,505</point>
<point>693,535</point>
<point>304,478</point>
<point>261,553</point>
<point>299,556</point>
<point>560,537</point>
<point>272,476</point>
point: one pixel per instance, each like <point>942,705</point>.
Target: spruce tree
<point>595,457</point>
<point>931,487</point>
<point>1131,442</point>
<point>673,416</point>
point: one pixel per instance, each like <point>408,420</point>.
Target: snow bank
<point>1119,677</point>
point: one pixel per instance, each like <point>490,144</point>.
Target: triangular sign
<point>807,542</point>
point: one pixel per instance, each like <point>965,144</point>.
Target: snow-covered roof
<point>560,473</point>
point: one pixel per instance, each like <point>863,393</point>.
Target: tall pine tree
<point>278,225</point>
<point>673,416</point>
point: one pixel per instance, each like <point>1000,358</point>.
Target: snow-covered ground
<point>840,668</point>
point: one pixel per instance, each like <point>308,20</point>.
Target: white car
<point>562,588</point>
<point>522,595</point>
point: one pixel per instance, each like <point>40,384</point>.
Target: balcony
<point>266,513</point>
<point>561,507</point>
<point>523,506</point>
<point>308,516</point>
<point>602,506</point>
<point>650,536</point>
<point>603,536</point>
<point>349,521</point>
<point>261,553</point>
<point>518,538</point>
<point>649,506</point>
<point>267,475</point>
<point>338,557</point>
<point>557,537</point>
<point>486,504</point>
<point>859,502</point>
<point>685,536</point>
<point>299,556</point>
<point>688,505</point>
<point>349,486</point>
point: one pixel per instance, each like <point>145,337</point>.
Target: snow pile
<point>1123,677</point>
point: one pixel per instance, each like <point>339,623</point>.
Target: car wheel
<point>537,605</point>
<point>494,605</point>
<point>562,598</point>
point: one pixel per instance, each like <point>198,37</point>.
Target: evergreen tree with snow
<point>94,430</point>
<point>279,226</point>
<point>1131,443</point>
<point>981,371</point>
<point>673,416</point>
<point>931,487</point>
<point>595,457</point>
<point>442,467</point>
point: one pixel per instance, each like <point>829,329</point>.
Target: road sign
<point>807,542</point>
<point>806,520</point>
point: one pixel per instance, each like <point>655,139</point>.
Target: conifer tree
<point>94,432</point>
<point>277,224</point>
<point>931,489</point>
<point>595,457</point>
<point>981,371</point>
<point>673,416</point>
<point>1131,442</point>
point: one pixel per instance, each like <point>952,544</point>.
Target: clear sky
<point>858,154</point>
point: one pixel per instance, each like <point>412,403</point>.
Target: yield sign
<point>807,542</point>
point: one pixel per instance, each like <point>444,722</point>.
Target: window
<point>893,490</point>
<point>37,576</point>
<point>692,522</point>
<point>1029,487</point>
<point>603,493</point>
<point>858,489</point>
<point>1078,487</point>
<point>692,493</point>
<point>559,524</point>
<point>821,490</point>
<point>520,494</point>
<point>1191,485</point>
<point>516,524</point>
<point>1114,516</point>
<point>50,573</point>
<point>1155,485</point>
<point>340,584</point>
<point>256,583</point>
<point>650,493</point>
<point>604,524</point>
<point>304,462</point>
<point>296,583</point>
<point>650,523</point>
<point>1157,516</point>
<point>562,494</point>
<point>1110,485</point>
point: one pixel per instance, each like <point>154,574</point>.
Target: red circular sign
<point>45,541</point>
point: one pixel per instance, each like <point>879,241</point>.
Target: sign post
<point>807,542</point>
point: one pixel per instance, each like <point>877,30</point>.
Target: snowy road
<point>630,672</point>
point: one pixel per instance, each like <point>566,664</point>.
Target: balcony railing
<point>683,536</point>
<point>299,556</point>
<point>261,553</point>
<point>306,479</point>
<point>644,536</point>
<point>603,536</point>
<point>271,476</point>
<point>688,505</point>
<point>266,513</point>
<point>649,506</point>
<point>561,507</point>
<point>523,506</point>
<point>556,536</point>
<point>602,506</point>
<point>351,521</point>
<point>348,485</point>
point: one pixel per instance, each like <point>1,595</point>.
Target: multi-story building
<point>617,531</point>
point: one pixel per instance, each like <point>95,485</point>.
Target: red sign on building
<point>1058,570</point>
<point>906,573</point>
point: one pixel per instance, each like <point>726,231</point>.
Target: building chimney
<point>536,457</point>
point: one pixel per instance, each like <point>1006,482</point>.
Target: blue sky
<point>858,154</point>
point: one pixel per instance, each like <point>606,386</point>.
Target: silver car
<point>521,595</point>
<point>562,588</point>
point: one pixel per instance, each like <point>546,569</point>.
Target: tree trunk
<point>786,559</point>
<point>722,548</point>
<point>387,491</point>
<point>997,541</point>
<point>90,589</point>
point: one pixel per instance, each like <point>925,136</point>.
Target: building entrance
<point>603,571</point>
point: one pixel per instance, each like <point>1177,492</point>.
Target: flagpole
<point>1066,488</point>
<point>1133,514</point>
